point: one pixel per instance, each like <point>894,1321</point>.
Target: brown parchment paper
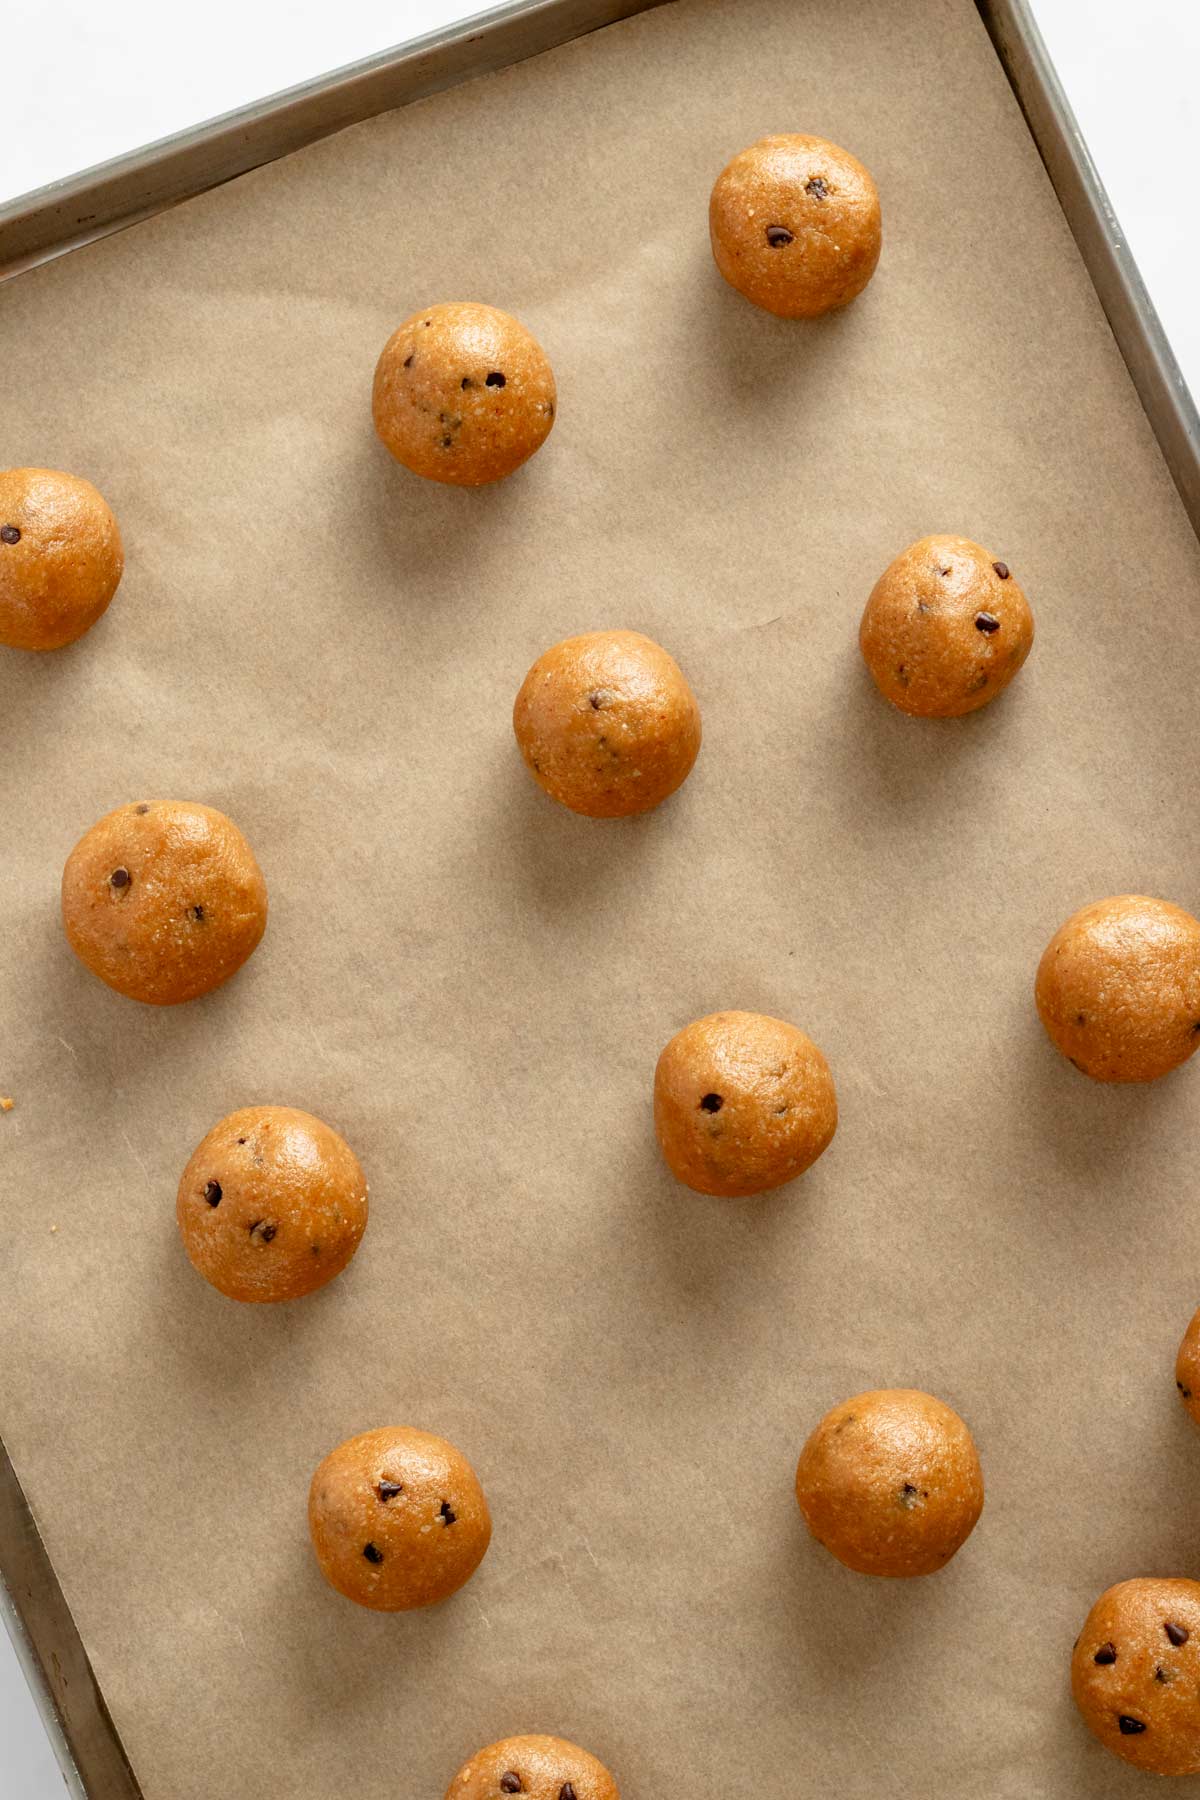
<point>474,985</point>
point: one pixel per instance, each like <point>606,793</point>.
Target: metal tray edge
<point>114,194</point>
<point>1089,212</point>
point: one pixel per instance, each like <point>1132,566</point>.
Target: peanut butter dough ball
<point>742,1103</point>
<point>1135,1673</point>
<point>398,1519</point>
<point>463,394</point>
<point>272,1204</point>
<point>890,1483</point>
<point>163,900</point>
<point>1187,1368</point>
<point>60,558</point>
<point>945,629</point>
<point>607,724</point>
<point>542,1768</point>
<point>795,225</point>
<point>1118,988</point>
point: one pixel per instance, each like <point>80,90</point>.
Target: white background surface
<point>83,82</point>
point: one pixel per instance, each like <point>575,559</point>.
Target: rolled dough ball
<point>60,558</point>
<point>742,1103</point>
<point>1118,988</point>
<point>945,629</point>
<point>272,1204</point>
<point>1135,1673</point>
<point>1187,1368</point>
<point>398,1519</point>
<point>463,394</point>
<point>607,724</point>
<point>795,225</point>
<point>890,1483</point>
<point>542,1768</point>
<point>163,900</point>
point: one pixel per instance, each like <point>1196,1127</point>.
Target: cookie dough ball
<point>163,900</point>
<point>742,1103</point>
<point>1187,1368</point>
<point>60,558</point>
<point>542,1768</point>
<point>890,1483</point>
<point>945,629</point>
<point>795,226</point>
<point>398,1519</point>
<point>607,724</point>
<point>1135,1673</point>
<point>463,394</point>
<point>1118,988</point>
<point>272,1204</point>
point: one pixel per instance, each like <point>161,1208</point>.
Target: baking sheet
<point>473,986</point>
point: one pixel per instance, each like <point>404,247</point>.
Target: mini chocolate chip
<point>495,379</point>
<point>120,878</point>
<point>467,382</point>
<point>567,1791</point>
<point>1163,1675</point>
<point>212,1192</point>
<point>197,912</point>
<point>596,700</point>
<point>1129,1727</point>
<point>1001,570</point>
<point>1185,1391</point>
<point>943,571</point>
<point>447,1514</point>
<point>241,1140</point>
<point>907,1494</point>
<point>387,1490</point>
<point>1081,1018</point>
<point>316,1249</point>
<point>408,360</point>
<point>10,534</point>
<point>268,1233</point>
<point>816,187</point>
<point>429,321</point>
<point>510,1783</point>
<point>372,1554</point>
<point>1107,1653</point>
<point>142,810</point>
<point>446,443</point>
<point>987,622</point>
<point>712,1103</point>
<point>1178,1634</point>
<point>778,236</point>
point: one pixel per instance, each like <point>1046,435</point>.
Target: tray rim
<point>64,215</point>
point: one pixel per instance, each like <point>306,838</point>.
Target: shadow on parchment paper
<point>692,1242</point>
<point>846,1623</point>
<point>556,860</point>
<point>435,536</point>
<point>1085,1127</point>
<point>345,1658</point>
<point>117,1044</point>
<point>186,1311</point>
<point>927,769</point>
<point>767,371</point>
<point>43,690</point>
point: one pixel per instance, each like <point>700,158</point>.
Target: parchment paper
<point>473,985</point>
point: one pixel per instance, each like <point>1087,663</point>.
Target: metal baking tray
<point>69,213</point>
